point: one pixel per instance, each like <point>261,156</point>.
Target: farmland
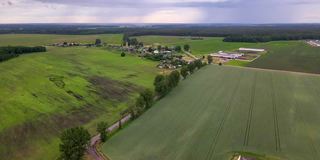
<point>46,39</point>
<point>282,55</point>
<point>222,110</point>
<point>198,47</point>
<point>44,93</point>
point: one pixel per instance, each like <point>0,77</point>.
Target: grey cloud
<point>143,3</point>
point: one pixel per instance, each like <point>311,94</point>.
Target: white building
<point>226,55</point>
<point>251,50</point>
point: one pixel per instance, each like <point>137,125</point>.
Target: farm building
<point>251,50</point>
<point>224,55</point>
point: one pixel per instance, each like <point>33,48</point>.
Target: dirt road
<point>95,141</point>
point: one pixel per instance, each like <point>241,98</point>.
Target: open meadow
<point>44,93</point>
<point>219,111</point>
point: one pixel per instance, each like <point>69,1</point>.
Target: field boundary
<point>249,119</point>
<point>275,70</point>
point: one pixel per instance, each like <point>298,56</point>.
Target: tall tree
<point>174,78</point>
<point>102,129</point>
<point>177,48</point>
<point>191,66</point>
<point>98,42</point>
<point>186,47</point>
<point>184,72</point>
<point>147,96</point>
<point>74,142</point>
<point>210,59</point>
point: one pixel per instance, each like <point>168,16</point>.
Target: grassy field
<point>46,39</point>
<point>43,93</point>
<point>222,110</point>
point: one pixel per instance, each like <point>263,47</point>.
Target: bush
<point>102,129</point>
<point>123,54</point>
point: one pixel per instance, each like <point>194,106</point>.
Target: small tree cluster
<point>143,102</point>
<point>186,47</point>
<point>189,69</point>
<point>177,48</point>
<point>163,84</point>
<point>98,42</point>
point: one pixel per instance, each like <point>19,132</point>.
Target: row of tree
<point>268,38</point>
<point>21,49</point>
<point>9,52</point>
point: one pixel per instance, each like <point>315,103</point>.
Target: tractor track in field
<point>275,116</point>
<point>213,145</point>
<point>311,141</point>
<point>198,112</point>
<point>195,110</point>
<point>248,127</point>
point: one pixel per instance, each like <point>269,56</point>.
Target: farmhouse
<point>224,55</point>
<point>251,50</point>
<point>315,43</point>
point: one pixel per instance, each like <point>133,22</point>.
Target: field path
<point>95,141</point>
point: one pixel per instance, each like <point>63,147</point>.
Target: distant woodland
<point>232,33</point>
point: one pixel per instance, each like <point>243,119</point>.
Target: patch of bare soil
<point>16,140</point>
<point>111,89</point>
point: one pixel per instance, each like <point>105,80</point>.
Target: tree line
<point>233,33</point>
<point>9,52</point>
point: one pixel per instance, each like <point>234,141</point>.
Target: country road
<point>92,149</point>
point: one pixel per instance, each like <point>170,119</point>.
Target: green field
<point>44,93</point>
<point>222,110</point>
<point>46,39</point>
<point>291,56</point>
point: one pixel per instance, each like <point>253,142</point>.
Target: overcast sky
<point>159,11</point>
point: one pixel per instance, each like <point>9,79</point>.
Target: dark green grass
<point>219,110</point>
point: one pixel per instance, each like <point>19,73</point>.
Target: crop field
<point>291,56</point>
<point>44,93</point>
<point>46,39</point>
<point>222,110</point>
